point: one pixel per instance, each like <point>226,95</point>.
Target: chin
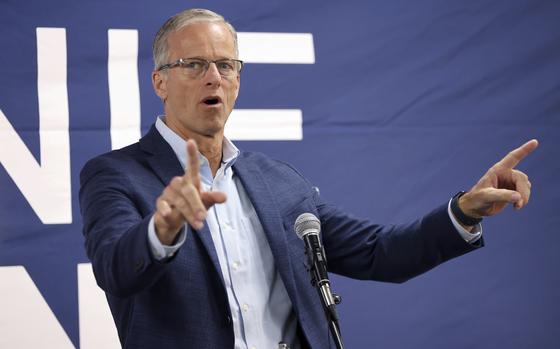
<point>215,124</point>
<point>213,129</point>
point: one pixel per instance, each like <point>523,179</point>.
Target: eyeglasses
<point>197,67</point>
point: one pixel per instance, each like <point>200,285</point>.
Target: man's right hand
<point>184,201</point>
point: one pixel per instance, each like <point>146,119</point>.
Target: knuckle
<point>514,153</point>
<point>176,181</point>
<point>189,190</point>
<point>181,204</point>
<point>168,194</point>
<point>188,216</point>
<point>197,205</point>
<point>160,204</point>
<point>165,197</point>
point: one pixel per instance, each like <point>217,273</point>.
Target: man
<point>192,240</point>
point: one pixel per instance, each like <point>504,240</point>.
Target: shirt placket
<point>230,221</point>
<point>231,261</point>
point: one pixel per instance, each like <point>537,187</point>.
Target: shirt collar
<point>229,151</point>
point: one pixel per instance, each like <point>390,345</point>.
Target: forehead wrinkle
<point>209,40</point>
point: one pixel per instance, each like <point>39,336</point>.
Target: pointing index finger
<point>193,168</point>
<point>515,156</point>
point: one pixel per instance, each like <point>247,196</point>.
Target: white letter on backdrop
<point>45,184</point>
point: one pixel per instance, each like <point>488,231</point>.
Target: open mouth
<point>212,100</point>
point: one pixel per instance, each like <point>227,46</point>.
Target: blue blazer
<point>182,302</point>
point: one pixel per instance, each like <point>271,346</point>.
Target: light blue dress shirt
<point>261,309</point>
<point>260,306</point>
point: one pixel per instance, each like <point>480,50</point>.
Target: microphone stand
<point>329,300</point>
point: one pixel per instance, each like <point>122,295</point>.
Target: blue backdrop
<point>405,104</point>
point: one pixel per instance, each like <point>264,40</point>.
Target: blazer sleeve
<point>115,231</point>
<point>394,253</point>
<point>360,248</point>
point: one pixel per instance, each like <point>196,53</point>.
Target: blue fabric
<point>183,303</point>
<point>407,103</point>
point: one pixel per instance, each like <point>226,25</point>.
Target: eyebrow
<point>206,59</point>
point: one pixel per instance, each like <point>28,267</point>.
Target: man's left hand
<point>501,184</point>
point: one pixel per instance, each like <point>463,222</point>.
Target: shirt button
<point>227,225</point>
<point>253,347</point>
<point>245,307</point>
<point>235,266</point>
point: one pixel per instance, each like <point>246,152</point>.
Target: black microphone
<point>308,228</point>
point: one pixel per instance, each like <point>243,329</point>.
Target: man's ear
<point>159,82</point>
<point>238,85</point>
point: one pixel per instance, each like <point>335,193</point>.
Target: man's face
<point>190,103</point>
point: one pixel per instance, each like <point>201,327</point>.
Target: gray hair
<point>160,49</point>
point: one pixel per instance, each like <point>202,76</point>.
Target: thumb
<point>210,198</point>
<point>492,195</point>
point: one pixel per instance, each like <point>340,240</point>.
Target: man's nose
<point>212,75</point>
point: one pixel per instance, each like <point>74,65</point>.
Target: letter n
<point>45,184</point>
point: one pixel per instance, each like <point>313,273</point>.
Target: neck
<point>208,145</point>
<point>212,151</point>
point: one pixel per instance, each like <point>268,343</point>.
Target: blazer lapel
<point>162,159</point>
<point>264,203</point>
<point>165,164</point>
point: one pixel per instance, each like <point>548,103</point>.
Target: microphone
<point>308,228</point>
